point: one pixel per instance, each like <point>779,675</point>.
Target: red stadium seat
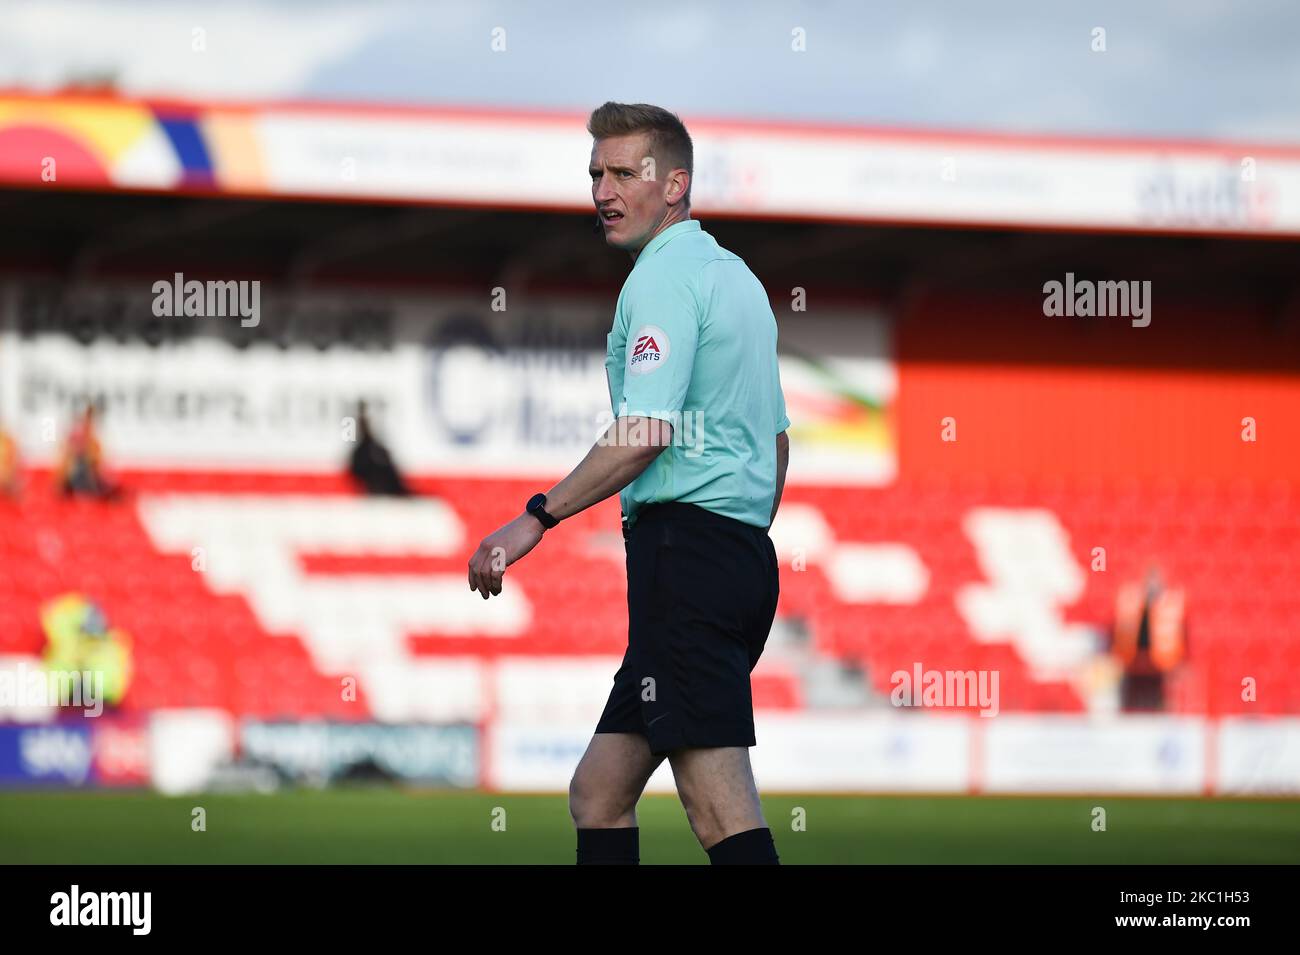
<point>1235,549</point>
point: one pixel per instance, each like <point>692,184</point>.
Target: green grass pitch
<point>399,826</point>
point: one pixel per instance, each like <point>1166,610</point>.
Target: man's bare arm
<point>625,450</point>
<point>616,459</point>
<point>782,459</point>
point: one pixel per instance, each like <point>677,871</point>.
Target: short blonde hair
<point>669,141</point>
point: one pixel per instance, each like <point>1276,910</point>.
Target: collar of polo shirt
<point>663,238</point>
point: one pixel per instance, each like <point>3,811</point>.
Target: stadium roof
<point>536,161</point>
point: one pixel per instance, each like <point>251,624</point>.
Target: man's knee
<point>717,791</point>
<point>593,806</point>
<point>581,798</point>
<point>705,812</point>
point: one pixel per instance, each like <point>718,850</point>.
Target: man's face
<point>630,203</point>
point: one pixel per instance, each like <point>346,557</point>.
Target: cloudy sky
<point>1196,68</point>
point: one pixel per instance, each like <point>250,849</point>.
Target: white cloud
<point>251,49</point>
<point>1173,67</point>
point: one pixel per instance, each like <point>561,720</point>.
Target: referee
<point>698,451</point>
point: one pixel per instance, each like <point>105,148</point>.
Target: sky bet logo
<point>102,908</point>
<point>650,349</point>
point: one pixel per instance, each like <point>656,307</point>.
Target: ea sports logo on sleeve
<point>648,350</point>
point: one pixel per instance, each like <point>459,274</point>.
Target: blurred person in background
<point>79,640</point>
<point>10,465</point>
<point>371,465</point>
<point>81,470</point>
<point>1149,640</point>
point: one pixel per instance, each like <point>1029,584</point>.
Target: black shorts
<point>701,597</point>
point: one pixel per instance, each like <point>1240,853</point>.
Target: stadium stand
<point>213,638</point>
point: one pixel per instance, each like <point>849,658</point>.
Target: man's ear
<point>679,182</point>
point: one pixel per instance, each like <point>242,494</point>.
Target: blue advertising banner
<point>55,755</point>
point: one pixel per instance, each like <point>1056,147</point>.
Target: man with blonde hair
<point>697,454</point>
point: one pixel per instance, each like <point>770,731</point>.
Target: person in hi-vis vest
<point>1149,640</point>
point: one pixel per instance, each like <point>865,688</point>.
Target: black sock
<point>609,846</point>
<point>751,847</point>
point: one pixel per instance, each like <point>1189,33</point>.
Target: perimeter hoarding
<point>465,157</point>
<point>454,386</point>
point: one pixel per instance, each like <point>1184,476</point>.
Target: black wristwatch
<point>536,506</point>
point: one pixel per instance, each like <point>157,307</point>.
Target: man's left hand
<point>499,550</point>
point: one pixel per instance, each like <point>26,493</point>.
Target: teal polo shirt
<point>694,344</point>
